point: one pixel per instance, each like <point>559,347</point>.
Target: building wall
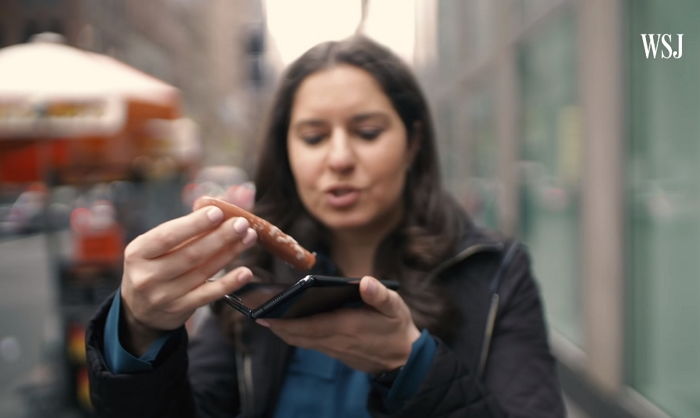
<point>555,128</point>
<point>200,47</point>
<point>20,19</point>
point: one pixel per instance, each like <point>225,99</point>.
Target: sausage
<point>270,236</point>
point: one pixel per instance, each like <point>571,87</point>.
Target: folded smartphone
<point>311,295</point>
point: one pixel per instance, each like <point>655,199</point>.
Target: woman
<point>349,168</point>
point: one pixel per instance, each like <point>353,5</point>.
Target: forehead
<point>339,91</point>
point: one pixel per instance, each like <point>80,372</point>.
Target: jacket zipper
<point>244,372</point>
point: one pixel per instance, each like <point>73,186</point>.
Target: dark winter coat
<point>210,378</point>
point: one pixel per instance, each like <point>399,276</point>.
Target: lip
<point>341,196</point>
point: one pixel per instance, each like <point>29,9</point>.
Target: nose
<point>341,156</point>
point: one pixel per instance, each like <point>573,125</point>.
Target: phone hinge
<point>234,302</point>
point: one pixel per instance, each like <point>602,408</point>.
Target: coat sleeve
<point>520,377</point>
<point>177,387</point>
<point>164,391</point>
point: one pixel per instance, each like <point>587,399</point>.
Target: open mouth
<point>342,191</point>
<point>342,197</point>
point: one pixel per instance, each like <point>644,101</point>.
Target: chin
<point>343,224</point>
<point>348,220</point>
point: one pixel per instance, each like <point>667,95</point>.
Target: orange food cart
<point>69,116</point>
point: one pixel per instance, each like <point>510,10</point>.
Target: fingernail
<point>240,225</point>
<point>215,214</point>
<point>250,237</point>
<point>263,323</point>
<point>371,287</point>
<point>244,276</point>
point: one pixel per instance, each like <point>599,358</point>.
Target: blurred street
<point>29,329</point>
<point>555,127</point>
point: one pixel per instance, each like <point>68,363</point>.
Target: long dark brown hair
<point>432,221</point>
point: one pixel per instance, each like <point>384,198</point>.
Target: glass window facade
<point>452,146</point>
<point>663,213</point>
<point>550,168</point>
<point>548,45</point>
<point>482,185</point>
<point>449,38</point>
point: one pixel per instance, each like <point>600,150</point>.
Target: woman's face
<point>348,150</point>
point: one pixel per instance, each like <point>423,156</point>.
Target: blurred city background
<point>554,126</point>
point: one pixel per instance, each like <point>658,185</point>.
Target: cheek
<point>303,169</point>
<point>391,175</point>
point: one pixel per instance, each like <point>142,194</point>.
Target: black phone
<point>311,295</point>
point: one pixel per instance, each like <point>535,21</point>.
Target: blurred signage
<point>61,118</point>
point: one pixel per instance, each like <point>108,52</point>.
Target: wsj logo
<point>651,45</point>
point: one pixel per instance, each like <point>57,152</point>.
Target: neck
<point>354,249</point>
<point>354,253</point>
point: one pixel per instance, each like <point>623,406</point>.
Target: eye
<point>369,133</point>
<point>312,139</point>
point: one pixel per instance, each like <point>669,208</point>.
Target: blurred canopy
<point>43,73</point>
<point>49,90</point>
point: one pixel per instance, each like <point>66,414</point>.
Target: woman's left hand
<point>372,339</point>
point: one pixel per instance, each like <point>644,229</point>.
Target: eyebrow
<point>313,123</point>
<point>359,118</point>
<point>370,115</point>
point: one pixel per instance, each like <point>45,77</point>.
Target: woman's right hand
<point>167,272</point>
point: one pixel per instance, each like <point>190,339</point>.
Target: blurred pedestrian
<point>349,168</point>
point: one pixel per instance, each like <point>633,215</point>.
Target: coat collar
<point>474,241</point>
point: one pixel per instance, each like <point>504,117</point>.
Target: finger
<point>198,275</point>
<point>210,291</point>
<point>225,255</point>
<point>376,295</point>
<point>232,237</point>
<point>163,238</point>
<point>314,326</point>
<point>343,321</point>
<point>326,345</point>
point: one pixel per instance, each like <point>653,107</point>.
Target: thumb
<point>378,296</point>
